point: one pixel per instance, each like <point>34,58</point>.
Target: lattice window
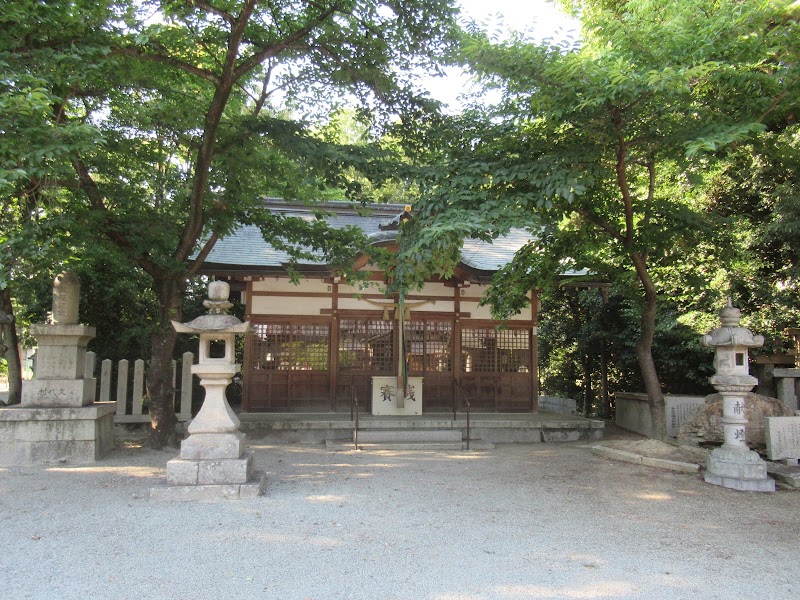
<point>289,347</point>
<point>489,350</point>
<point>429,346</point>
<point>367,345</point>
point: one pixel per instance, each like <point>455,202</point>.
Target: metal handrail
<point>456,397</point>
<point>468,424</point>
<point>462,396</point>
<point>354,404</point>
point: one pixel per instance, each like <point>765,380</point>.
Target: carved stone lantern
<point>213,461</point>
<point>734,465</point>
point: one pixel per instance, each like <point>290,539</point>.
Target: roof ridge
<point>348,205</point>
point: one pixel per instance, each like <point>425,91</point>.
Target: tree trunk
<point>160,387</point>
<point>588,399</point>
<point>8,336</point>
<point>644,351</point>
<point>606,410</point>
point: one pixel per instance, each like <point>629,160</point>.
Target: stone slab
<point>57,393</point>
<point>738,470</point>
<point>226,470</point>
<point>213,446</point>
<point>785,474</point>
<point>380,436</point>
<point>560,435</point>
<point>255,487</point>
<point>614,454</point>
<point>411,446</point>
<point>742,485</point>
<point>30,436</point>
<point>786,373</point>
<point>632,457</point>
<point>230,471</point>
<point>500,435</point>
<point>182,472</point>
<point>385,400</point>
<point>61,360</point>
<point>783,437</point>
<point>679,409</point>
<point>672,465</point>
<point>633,412</point>
<point>564,406</point>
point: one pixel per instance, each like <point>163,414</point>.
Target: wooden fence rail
<point>130,407</point>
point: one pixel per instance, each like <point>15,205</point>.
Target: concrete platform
<point>487,427</point>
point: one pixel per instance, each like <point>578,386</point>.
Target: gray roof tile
<point>245,248</point>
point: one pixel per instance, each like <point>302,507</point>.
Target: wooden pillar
<point>535,350</point>
<point>333,338</point>
<point>456,358</point>
<point>247,367</point>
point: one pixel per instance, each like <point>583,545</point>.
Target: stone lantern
<point>734,465</point>
<point>213,462</point>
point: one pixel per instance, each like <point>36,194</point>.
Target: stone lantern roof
<point>217,320</point>
<point>731,334</point>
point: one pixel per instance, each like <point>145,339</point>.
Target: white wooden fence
<point>137,412</point>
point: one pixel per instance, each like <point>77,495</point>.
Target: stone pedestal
<point>213,463</point>
<point>58,418</point>
<point>30,436</point>
<point>738,470</point>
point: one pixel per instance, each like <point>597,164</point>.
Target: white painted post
<point>186,386</point>
<point>122,386</point>
<point>105,380</point>
<point>138,386</point>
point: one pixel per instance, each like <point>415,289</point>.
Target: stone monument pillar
<point>734,465</point>
<point>61,358</point>
<point>213,462</point>
<point>58,418</point>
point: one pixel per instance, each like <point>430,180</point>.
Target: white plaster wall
<point>436,306</point>
<point>282,284</point>
<point>288,305</point>
<point>485,312</point>
<point>470,304</point>
<point>434,289</point>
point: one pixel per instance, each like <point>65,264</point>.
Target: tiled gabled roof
<point>245,250</point>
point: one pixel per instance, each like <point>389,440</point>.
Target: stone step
<point>411,446</point>
<point>408,446</point>
<point>390,436</point>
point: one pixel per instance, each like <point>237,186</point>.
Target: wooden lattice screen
<point>366,345</point>
<point>290,347</point>
<point>490,350</point>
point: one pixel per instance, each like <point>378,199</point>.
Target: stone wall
<point>633,412</point>
<point>562,406</point>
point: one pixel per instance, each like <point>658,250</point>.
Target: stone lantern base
<point>738,470</point>
<point>211,467</point>
<point>224,479</point>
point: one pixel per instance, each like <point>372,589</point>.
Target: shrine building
<point>315,345</point>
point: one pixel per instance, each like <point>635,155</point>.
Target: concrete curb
<point>638,459</point>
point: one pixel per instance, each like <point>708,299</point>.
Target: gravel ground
<point>521,521</point>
